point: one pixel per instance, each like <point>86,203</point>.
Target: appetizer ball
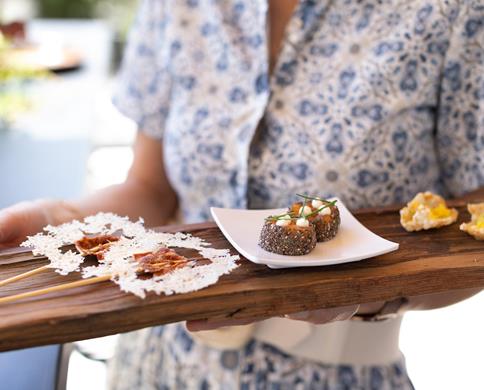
<point>288,236</point>
<point>476,225</point>
<point>326,221</point>
<point>426,211</point>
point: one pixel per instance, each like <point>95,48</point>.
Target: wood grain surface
<point>427,262</point>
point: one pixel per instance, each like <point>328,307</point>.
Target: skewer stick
<point>23,276</point>
<point>61,287</point>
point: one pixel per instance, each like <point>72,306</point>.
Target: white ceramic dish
<point>352,243</point>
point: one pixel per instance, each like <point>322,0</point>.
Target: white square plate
<point>353,241</point>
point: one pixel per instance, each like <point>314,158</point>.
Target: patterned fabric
<point>371,101</point>
<point>180,363</point>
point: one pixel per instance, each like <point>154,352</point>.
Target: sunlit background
<point>61,137</point>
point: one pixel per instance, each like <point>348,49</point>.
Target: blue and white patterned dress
<point>371,101</point>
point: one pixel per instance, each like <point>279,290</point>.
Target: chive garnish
<point>280,216</point>
<point>312,197</point>
<point>295,217</point>
<point>329,204</point>
<point>307,197</point>
<point>302,208</point>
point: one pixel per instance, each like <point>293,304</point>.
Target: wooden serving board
<point>427,262</point>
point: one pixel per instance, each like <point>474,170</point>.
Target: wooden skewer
<point>61,287</point>
<point>23,276</point>
<point>92,251</point>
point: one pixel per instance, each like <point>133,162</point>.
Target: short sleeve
<point>143,84</point>
<point>460,122</point>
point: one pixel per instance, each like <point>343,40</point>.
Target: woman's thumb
<point>9,227</point>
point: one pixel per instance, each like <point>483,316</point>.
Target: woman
<point>244,104</point>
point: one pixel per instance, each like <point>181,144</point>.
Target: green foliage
<point>13,100</point>
<point>67,8</point>
<point>10,70</point>
<point>3,44</point>
<point>11,104</point>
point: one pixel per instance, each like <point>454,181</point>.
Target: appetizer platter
<point>137,259</point>
<point>107,275</point>
<point>318,233</point>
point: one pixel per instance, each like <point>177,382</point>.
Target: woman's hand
<point>325,316</point>
<point>27,218</point>
<point>146,193</point>
<point>318,317</point>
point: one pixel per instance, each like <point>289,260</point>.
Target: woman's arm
<point>146,193</point>
<point>423,302</point>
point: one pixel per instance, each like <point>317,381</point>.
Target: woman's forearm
<point>133,199</point>
<point>423,302</point>
<point>146,193</point>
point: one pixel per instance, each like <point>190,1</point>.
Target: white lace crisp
<point>119,259</point>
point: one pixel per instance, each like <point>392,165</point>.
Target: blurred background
<point>61,137</point>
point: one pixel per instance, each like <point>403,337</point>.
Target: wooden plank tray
<point>427,262</point>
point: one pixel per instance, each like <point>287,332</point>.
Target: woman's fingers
<point>318,317</point>
<point>22,219</point>
<point>10,228</point>
<point>207,324</point>
<point>324,316</point>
